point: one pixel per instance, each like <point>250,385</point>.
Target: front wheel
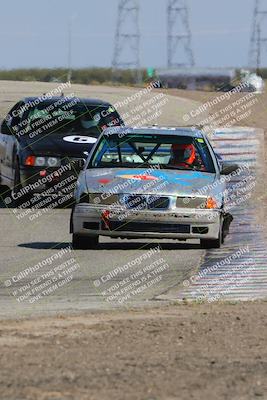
<point>213,243</point>
<point>84,242</point>
<point>210,243</point>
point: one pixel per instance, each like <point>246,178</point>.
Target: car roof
<point>85,101</point>
<point>159,130</point>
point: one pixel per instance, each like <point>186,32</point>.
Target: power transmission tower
<point>127,39</point>
<point>258,39</point>
<point>180,52</point>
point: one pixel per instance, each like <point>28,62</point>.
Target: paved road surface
<point>36,258</point>
<point>25,244</point>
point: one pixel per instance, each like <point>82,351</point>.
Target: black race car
<point>44,141</point>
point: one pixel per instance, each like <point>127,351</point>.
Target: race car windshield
<point>168,152</point>
<point>82,119</point>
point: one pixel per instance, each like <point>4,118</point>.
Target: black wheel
<point>84,242</point>
<point>228,218</point>
<point>18,199</point>
<point>212,243</point>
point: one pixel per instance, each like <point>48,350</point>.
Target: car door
<point>8,145</point>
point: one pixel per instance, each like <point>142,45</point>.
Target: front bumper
<point>88,220</point>
<point>54,182</point>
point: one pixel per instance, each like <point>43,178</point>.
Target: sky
<point>34,33</point>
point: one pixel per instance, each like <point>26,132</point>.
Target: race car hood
<point>144,181</point>
<point>59,144</point>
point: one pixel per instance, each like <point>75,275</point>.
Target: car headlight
<point>53,162</point>
<point>39,161</point>
<point>211,203</point>
<point>34,161</point>
<point>106,199</point>
<point>99,199</point>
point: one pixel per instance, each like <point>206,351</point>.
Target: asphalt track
<point>40,274</point>
<point>25,244</point>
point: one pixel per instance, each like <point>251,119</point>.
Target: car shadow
<point>113,246</point>
<point>45,245</point>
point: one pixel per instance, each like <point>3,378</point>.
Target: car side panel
<point>8,150</point>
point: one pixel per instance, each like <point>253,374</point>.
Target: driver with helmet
<point>185,156</point>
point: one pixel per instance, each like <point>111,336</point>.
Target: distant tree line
<point>87,76</point>
<point>262,72</point>
<point>84,75</point>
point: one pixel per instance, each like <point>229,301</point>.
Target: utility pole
<point>258,40</point>
<point>127,39</point>
<point>69,51</point>
<point>180,52</point>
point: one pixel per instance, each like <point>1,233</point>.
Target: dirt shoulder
<point>257,118</point>
<point>179,352</point>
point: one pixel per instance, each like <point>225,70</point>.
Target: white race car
<point>151,183</point>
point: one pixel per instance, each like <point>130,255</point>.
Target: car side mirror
<point>5,129</point>
<point>228,169</point>
<point>82,163</point>
<point>79,164</point>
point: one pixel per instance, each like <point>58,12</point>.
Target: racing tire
<point>17,187</point>
<point>213,243</point>
<point>84,242</point>
<point>228,218</point>
<point>210,243</point>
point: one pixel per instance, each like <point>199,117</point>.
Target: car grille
<point>155,202</point>
<point>135,202</point>
<point>141,202</point>
<point>147,227</point>
<point>97,198</point>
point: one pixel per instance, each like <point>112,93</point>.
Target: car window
<point>169,152</point>
<point>218,158</point>
<point>13,118</point>
<point>78,119</point>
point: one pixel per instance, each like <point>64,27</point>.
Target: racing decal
<point>105,219</point>
<point>180,178</point>
<point>104,181</point>
<point>139,177</point>
<point>186,179</point>
<point>79,139</point>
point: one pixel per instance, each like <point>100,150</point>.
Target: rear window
<point>68,118</point>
